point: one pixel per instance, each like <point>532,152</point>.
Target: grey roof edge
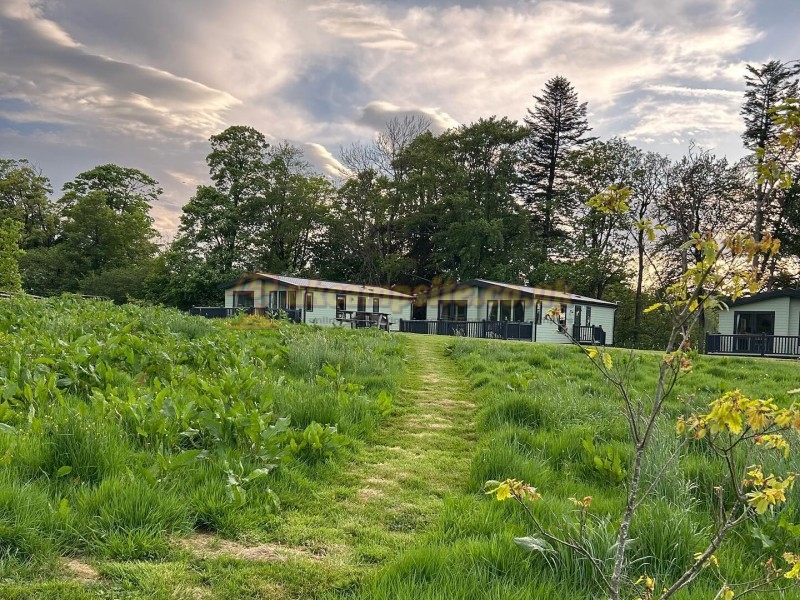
<point>754,298</point>
<point>524,289</point>
<point>317,284</point>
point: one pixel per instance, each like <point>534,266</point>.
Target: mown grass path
<point>394,487</point>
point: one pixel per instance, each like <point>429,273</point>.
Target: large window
<point>243,300</point>
<point>376,305</point>
<point>538,316</point>
<point>341,304</point>
<point>452,310</point>
<point>309,301</point>
<point>578,315</point>
<point>292,301</point>
<point>281,300</point>
<point>505,310</point>
<point>754,322</point>
<point>588,316</point>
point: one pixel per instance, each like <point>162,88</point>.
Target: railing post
<point>763,343</point>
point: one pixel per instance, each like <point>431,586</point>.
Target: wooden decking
<point>754,344</point>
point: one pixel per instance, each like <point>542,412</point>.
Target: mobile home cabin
<point>316,301</point>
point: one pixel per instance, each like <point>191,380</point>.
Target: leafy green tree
<point>106,227</point>
<point>290,211</point>
<point>482,230</point>
<point>354,245</point>
<point>599,246</point>
<point>557,124</point>
<point>10,235</point>
<point>264,210</point>
<point>24,195</point>
<point>366,235</point>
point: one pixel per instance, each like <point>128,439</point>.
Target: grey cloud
<point>377,113</point>
<point>45,67</point>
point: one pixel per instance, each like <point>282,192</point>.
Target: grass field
<point>145,454</point>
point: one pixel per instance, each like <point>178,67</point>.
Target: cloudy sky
<point>144,83</point>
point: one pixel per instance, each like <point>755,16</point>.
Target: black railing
<point>502,330</point>
<point>221,312</point>
<point>753,344</point>
<point>589,334</point>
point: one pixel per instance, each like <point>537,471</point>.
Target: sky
<point>145,83</point>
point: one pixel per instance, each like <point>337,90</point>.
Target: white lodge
<point>316,301</point>
<point>482,300</point>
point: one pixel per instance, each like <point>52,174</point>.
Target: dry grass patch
<point>211,546</point>
<point>80,571</point>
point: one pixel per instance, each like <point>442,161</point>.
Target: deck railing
<point>589,334</point>
<point>221,312</point>
<point>502,330</point>
<point>753,344</point>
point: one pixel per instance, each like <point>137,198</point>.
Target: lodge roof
<point>317,284</point>
<point>534,292</point>
<point>752,299</point>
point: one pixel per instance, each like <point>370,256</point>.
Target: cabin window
<point>505,310</point>
<point>538,316</point>
<point>519,311</point>
<point>341,304</point>
<point>292,302</point>
<point>362,304</point>
<point>588,316</point>
<point>453,310</point>
<point>491,310</point>
<point>419,311</point>
<point>578,315</point>
<point>282,300</point>
<point>273,299</point>
<point>309,301</point>
<point>376,305</point>
<point>243,300</point>
<point>754,322</point>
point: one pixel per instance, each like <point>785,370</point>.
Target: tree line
<point>495,199</point>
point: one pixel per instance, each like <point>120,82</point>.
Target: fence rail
<point>589,334</point>
<point>502,330</point>
<point>758,344</point>
<point>221,312</point>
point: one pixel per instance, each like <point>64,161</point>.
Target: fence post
<point>763,343</point>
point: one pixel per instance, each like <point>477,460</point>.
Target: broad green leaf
<point>532,544</point>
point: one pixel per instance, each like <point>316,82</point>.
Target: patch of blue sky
<point>327,89</point>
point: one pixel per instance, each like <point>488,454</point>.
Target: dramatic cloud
<point>376,114</point>
<point>145,83</point>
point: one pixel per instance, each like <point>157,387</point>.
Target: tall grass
<point>127,426</point>
<point>538,404</point>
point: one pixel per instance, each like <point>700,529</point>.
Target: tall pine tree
<point>768,87</point>
<point>556,125</point>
